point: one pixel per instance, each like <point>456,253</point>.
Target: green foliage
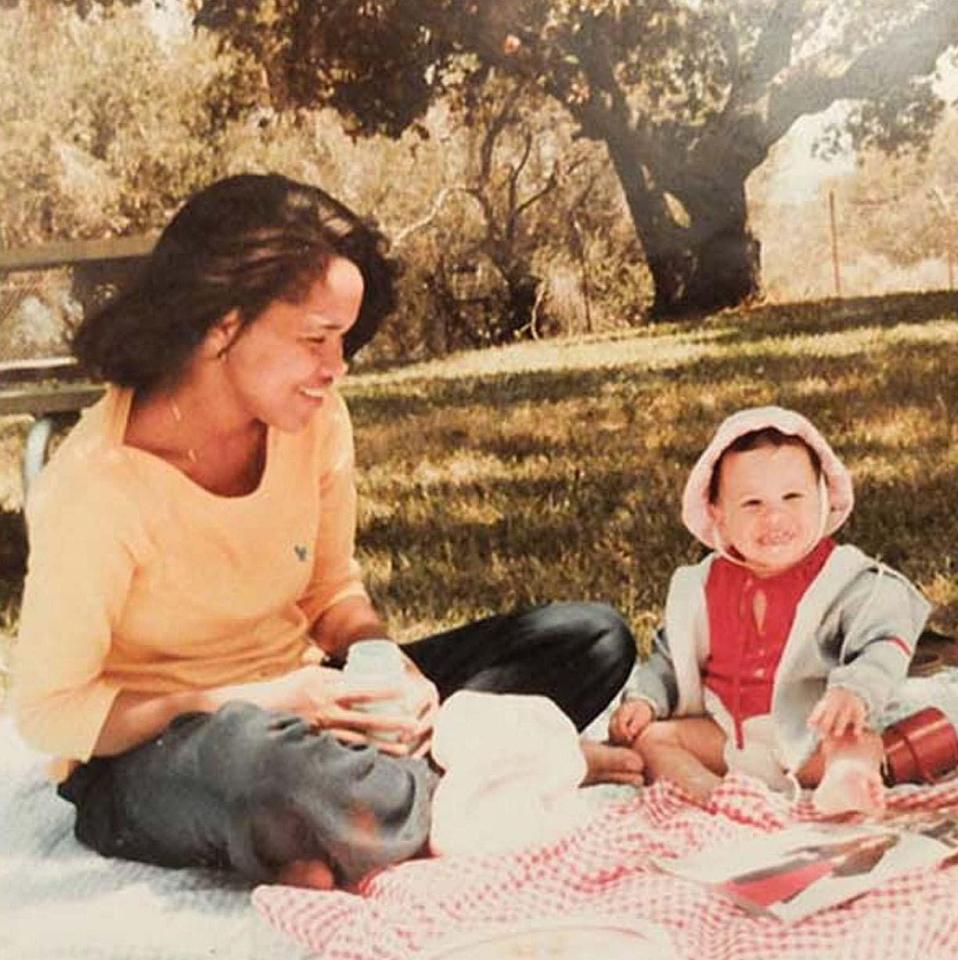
<point>907,209</point>
<point>682,100</point>
<point>105,129</point>
<point>520,238</point>
<point>669,67</point>
<point>688,98</point>
<point>314,56</point>
<point>483,217</point>
<point>896,224</point>
<point>903,121</point>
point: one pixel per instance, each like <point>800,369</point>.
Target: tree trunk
<point>720,270</point>
<point>522,288</point>
<point>702,257</point>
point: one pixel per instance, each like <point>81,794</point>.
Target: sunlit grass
<point>553,470</point>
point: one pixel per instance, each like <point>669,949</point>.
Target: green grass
<point>553,470</point>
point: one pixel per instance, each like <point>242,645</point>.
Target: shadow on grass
<point>503,390</point>
<point>830,316</point>
<point>493,391</point>
<point>604,523</point>
<point>599,539</point>
<point>598,535</point>
<point>844,396</point>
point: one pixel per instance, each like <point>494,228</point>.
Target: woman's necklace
<point>177,415</point>
<point>235,469</point>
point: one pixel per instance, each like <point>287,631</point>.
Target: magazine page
<point>800,870</point>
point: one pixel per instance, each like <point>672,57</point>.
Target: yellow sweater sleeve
<point>80,567</point>
<point>336,572</point>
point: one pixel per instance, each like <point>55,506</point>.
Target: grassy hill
<point>553,470</point>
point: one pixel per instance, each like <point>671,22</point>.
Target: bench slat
<point>38,368</point>
<point>39,401</point>
<point>67,252</point>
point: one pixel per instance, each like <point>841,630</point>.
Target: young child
<point>780,649</point>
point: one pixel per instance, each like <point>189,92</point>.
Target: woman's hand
<point>629,720</point>
<point>422,703</point>
<point>321,696</point>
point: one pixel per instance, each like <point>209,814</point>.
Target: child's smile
<point>769,506</point>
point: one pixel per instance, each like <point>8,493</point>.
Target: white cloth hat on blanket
<point>695,500</point>
<point>512,766</point>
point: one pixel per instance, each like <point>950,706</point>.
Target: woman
<point>192,585</point>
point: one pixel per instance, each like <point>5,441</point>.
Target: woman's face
<point>279,368</point>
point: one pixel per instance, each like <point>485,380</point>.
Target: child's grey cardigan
<point>855,627</point>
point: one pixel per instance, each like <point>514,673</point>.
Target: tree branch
<point>773,51</point>
<point>550,185</point>
<point>500,121</point>
<point>514,174</point>
<point>907,53</point>
<point>400,236</point>
<point>729,40</point>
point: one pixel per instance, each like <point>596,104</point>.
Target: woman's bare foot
<point>850,785</point>
<point>608,764</point>
<point>313,874</point>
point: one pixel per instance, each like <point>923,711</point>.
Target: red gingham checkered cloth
<point>603,870</point>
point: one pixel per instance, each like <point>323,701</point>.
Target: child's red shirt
<point>750,618</point>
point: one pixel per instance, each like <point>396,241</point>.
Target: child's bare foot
<point>689,751</point>
<point>699,785</point>
<point>608,764</point>
<point>313,874</point>
<point>850,785</point>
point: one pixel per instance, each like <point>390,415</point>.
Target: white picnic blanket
<point>59,901</point>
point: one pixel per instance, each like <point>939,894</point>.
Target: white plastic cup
<point>373,664</point>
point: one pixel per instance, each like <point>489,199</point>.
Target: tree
<point>85,154</point>
<point>517,186</point>
<point>121,122</point>
<point>489,223</point>
<point>896,223</point>
<point>907,210</point>
<point>688,96</point>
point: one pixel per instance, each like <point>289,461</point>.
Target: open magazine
<point>800,870</point>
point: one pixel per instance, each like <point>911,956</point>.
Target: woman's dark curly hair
<point>238,244</point>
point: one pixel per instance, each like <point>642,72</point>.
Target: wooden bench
<point>51,391</point>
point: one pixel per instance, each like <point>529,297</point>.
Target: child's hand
<point>629,720</point>
<point>838,711</point>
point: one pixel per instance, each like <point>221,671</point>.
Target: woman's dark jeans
<point>251,790</point>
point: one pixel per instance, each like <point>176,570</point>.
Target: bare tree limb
<point>907,53</point>
<point>504,116</point>
<point>729,40</point>
<point>514,173</point>
<point>551,183</point>
<point>772,53</point>
<point>399,236</point>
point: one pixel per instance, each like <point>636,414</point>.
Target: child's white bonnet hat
<point>695,500</point>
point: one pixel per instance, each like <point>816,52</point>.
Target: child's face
<point>769,506</point>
